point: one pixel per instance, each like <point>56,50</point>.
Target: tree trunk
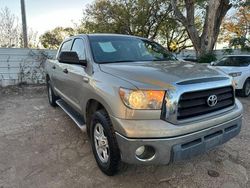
<point>215,12</point>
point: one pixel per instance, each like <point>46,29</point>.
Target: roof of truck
<point>108,34</point>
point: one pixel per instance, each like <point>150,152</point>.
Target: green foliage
<point>207,58</point>
<point>241,43</point>
<point>53,39</point>
<point>240,3</point>
<point>135,17</point>
<point>228,51</point>
<point>173,35</point>
<point>146,18</point>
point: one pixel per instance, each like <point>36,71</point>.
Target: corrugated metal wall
<point>23,65</point>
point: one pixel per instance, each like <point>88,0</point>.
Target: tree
<point>174,36</point>
<point>9,29</point>
<point>241,43</point>
<point>134,17</point>
<point>146,18</point>
<point>236,27</point>
<point>33,39</point>
<point>215,11</point>
<point>52,39</point>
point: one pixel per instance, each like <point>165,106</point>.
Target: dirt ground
<point>41,147</point>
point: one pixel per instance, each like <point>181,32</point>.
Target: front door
<point>76,78</point>
<point>58,76</point>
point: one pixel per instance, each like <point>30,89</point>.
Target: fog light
<point>145,153</point>
<point>140,150</point>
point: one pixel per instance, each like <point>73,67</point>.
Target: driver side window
<point>79,48</point>
<point>66,46</point>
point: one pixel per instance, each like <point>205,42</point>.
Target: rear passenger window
<point>79,48</point>
<point>66,46</point>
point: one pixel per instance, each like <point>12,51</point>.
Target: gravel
<point>41,147</point>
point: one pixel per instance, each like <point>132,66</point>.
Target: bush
<point>241,43</point>
<point>207,58</point>
<point>227,51</point>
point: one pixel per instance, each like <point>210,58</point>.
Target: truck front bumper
<point>166,150</point>
<point>166,142</point>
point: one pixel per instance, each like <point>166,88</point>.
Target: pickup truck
<point>137,103</point>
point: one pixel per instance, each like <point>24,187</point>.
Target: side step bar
<point>75,116</point>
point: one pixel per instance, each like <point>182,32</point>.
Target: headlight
<point>142,99</point>
<point>235,74</point>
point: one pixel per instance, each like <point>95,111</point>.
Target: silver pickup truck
<point>139,104</point>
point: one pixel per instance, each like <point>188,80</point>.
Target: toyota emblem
<point>212,100</point>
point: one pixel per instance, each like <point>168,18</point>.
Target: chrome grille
<point>193,104</point>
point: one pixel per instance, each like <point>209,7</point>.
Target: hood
<point>160,74</point>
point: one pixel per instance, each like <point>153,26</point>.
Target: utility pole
<point>24,23</point>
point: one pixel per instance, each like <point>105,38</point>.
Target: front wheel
<point>245,92</point>
<point>104,143</point>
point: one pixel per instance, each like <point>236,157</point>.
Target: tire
<point>245,92</point>
<point>108,156</point>
<point>51,95</point>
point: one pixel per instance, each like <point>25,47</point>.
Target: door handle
<point>65,71</point>
<point>85,79</point>
<point>53,67</point>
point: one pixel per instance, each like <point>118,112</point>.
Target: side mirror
<point>212,63</point>
<point>71,58</point>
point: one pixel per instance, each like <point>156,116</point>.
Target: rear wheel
<point>245,92</point>
<point>51,95</point>
<point>104,145</point>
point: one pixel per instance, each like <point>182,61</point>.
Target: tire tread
<point>115,162</point>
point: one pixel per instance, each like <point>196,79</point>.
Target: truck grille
<point>193,104</point>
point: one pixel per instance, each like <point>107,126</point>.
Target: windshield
<point>114,49</point>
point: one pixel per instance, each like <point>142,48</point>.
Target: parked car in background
<point>237,66</point>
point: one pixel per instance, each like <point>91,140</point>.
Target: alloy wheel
<point>101,143</point>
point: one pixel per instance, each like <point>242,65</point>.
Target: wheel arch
<point>92,106</point>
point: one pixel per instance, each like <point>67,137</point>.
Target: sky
<point>44,15</point>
